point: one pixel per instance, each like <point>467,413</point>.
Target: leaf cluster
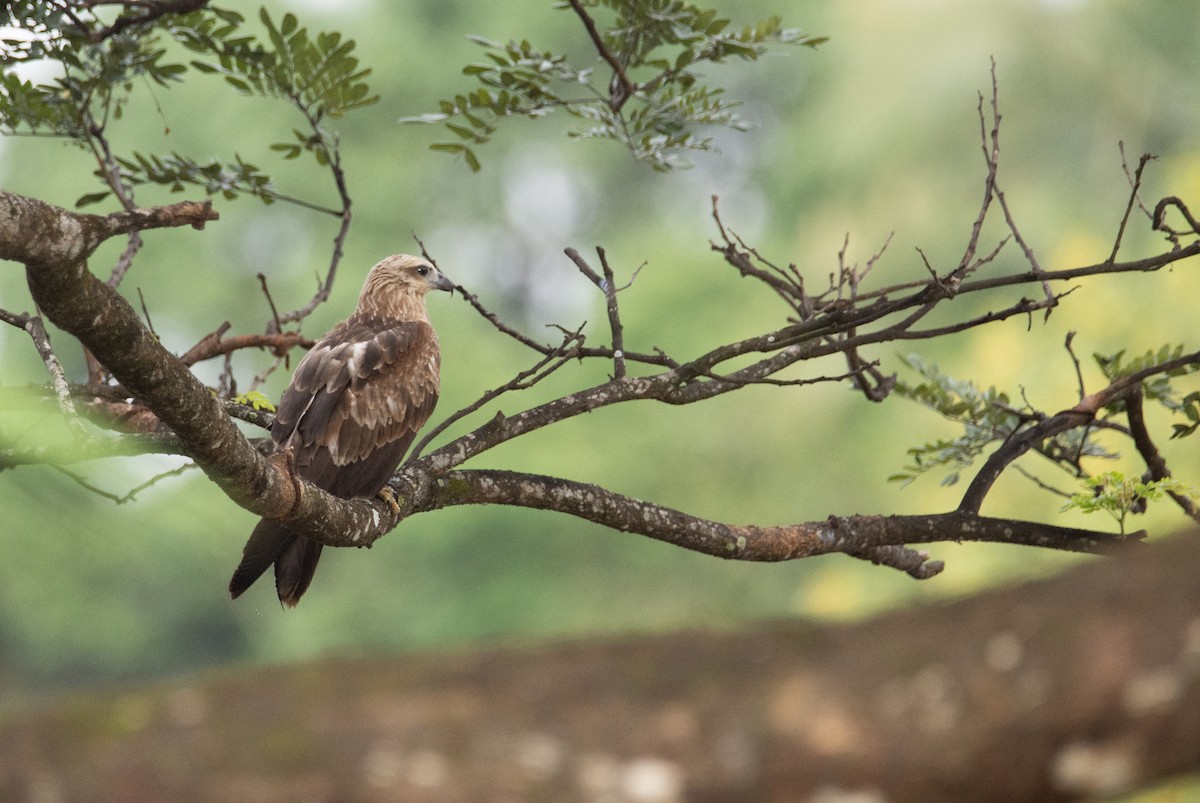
<point>318,74</point>
<point>647,96</point>
<point>256,400</point>
<point>95,78</point>
<point>1119,496</point>
<point>177,171</point>
<point>1159,387</point>
<point>99,69</point>
<point>987,417</point>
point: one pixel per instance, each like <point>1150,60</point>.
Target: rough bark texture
<point>1070,688</point>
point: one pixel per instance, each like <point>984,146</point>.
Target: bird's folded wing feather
<point>356,401</point>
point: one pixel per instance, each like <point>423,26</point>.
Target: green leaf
<point>1120,496</point>
<point>658,43</point>
<point>472,160</point>
<point>256,400</point>
<point>91,198</point>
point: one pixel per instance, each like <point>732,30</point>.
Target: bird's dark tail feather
<point>294,569</point>
<point>294,556</point>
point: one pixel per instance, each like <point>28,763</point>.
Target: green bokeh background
<point>875,132</point>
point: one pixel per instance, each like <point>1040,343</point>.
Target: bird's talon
<point>388,496</point>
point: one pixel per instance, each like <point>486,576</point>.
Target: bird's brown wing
<point>353,407</point>
<point>357,401</point>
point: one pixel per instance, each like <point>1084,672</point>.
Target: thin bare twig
<point>33,326</point>
<point>146,313</point>
<point>125,261</point>
<point>745,377</point>
<point>607,285</point>
<point>991,155</point>
<point>614,315</point>
<point>871,262</point>
<point>1045,486</point>
<point>227,382</point>
<point>131,495</point>
<point>787,286</point>
<point>1156,464</point>
<point>523,380</point>
<point>866,295</point>
<point>1134,197</point>
<point>583,352</point>
<point>621,89</point>
<point>1160,212</point>
<point>1075,362</point>
<point>495,321</point>
<point>265,374</point>
<point>324,288</point>
<point>1027,250</point>
<point>110,168</point>
<point>1132,183</point>
<point>215,344</point>
<point>276,324</point>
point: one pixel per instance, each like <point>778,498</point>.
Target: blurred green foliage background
<point>873,133</point>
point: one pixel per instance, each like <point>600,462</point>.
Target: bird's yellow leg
<point>388,496</point>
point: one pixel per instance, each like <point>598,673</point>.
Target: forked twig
<point>522,381</point>
<point>1135,183</point>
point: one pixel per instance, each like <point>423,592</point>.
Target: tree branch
<point>1135,182</point>
<point>1081,414</point>
<point>621,89</point>
<point>1156,464</point>
<point>608,286</point>
<point>33,326</point>
<point>873,538</point>
<point>214,344</point>
<point>35,232</point>
<point>153,9</point>
<point>90,448</point>
<point>345,215</point>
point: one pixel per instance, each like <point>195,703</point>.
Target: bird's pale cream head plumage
<point>395,288</point>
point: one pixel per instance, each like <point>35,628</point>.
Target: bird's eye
<point>422,271</point>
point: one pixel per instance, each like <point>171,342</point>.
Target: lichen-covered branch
<point>873,538</point>
<point>33,326</point>
<point>92,447</point>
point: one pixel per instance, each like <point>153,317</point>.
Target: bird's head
<point>396,287</point>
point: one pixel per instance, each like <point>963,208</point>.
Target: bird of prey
<point>351,410</point>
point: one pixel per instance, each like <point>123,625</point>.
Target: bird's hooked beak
<point>440,282</point>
